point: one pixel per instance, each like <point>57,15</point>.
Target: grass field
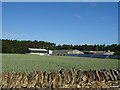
<point>29,63</point>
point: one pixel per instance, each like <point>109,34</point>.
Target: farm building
<point>89,52</point>
<point>99,52</point>
<point>64,52</point>
<point>104,53</point>
<point>39,51</point>
<point>75,52</point>
<point>60,52</point>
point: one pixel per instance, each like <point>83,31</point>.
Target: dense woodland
<point>15,46</point>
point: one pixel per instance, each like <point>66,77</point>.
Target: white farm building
<point>36,51</point>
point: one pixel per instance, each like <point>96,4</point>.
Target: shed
<point>75,52</point>
<point>40,51</point>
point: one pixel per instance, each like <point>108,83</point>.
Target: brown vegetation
<point>62,79</point>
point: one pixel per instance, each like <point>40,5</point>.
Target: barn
<point>36,51</point>
<point>65,52</point>
<point>60,52</point>
<point>75,52</point>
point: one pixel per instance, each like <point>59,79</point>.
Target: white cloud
<point>104,17</point>
<point>21,36</point>
<point>78,16</point>
<point>9,35</point>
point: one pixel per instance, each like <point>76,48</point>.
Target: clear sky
<point>61,23</point>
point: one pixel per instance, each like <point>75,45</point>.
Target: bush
<point>117,53</point>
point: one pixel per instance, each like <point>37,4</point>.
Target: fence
<point>95,56</point>
<point>62,79</point>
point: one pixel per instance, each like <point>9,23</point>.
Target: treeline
<point>15,46</point>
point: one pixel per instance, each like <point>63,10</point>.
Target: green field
<point>29,63</point>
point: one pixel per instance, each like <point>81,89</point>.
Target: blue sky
<point>61,23</point>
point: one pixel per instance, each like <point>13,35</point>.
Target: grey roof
<point>61,51</point>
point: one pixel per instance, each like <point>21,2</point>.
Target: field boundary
<point>95,56</point>
<point>62,79</point>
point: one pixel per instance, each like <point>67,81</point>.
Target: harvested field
<point>63,79</point>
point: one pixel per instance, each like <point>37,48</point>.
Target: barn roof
<point>36,49</point>
<point>61,51</point>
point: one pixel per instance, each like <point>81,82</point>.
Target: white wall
<point>50,51</point>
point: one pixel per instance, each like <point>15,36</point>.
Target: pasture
<point>29,63</point>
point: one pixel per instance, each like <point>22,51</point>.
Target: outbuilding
<point>75,52</point>
<point>36,51</point>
